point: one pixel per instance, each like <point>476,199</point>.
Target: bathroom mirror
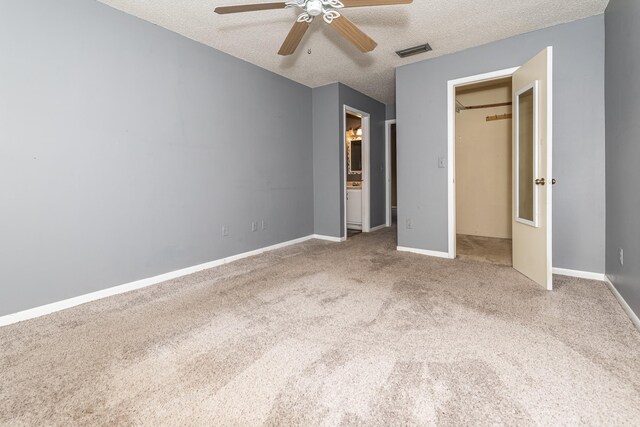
<point>526,154</point>
<point>355,156</point>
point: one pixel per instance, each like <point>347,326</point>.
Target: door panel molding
<point>516,154</point>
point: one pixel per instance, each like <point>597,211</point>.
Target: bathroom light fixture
<point>359,132</point>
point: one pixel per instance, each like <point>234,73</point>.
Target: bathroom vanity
<point>354,205</point>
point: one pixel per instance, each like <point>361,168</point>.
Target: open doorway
<point>356,172</point>
<point>483,153</point>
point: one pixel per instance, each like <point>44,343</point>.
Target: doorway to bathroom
<point>356,188</point>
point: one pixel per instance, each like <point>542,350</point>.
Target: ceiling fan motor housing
<point>314,7</point>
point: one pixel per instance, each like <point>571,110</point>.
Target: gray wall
<point>328,154</point>
<point>327,164</point>
<point>579,166</point>
<point>126,147</point>
<point>623,147</point>
<point>390,111</point>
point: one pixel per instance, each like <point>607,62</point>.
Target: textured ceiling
<point>448,25</point>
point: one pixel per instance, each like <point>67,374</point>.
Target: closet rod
<point>476,107</point>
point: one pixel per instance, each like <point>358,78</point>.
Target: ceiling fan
<point>311,9</point>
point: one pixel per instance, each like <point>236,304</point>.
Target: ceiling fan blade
<point>293,38</point>
<point>222,10</point>
<point>361,3</point>
<point>352,33</point>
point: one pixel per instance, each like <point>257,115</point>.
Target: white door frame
<point>451,148</point>
<point>387,153</point>
<point>366,190</point>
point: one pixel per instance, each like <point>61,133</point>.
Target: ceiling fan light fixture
<point>314,7</point>
<point>423,48</point>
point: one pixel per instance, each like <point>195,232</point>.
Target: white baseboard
<point>632,316</point>
<point>378,227</point>
<point>560,271</point>
<point>138,284</point>
<point>579,274</point>
<point>423,252</point>
<point>328,238</point>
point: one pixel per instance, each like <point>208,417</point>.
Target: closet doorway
<point>483,153</point>
<point>532,162</point>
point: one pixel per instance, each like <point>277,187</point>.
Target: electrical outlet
<point>254,226</point>
<point>442,162</point>
<point>409,224</point>
<point>263,224</point>
<point>225,231</point>
<point>621,256</point>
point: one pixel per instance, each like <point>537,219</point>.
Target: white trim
<point>558,271</point>
<point>366,180</point>
<point>423,252</point>
<point>580,274</point>
<point>549,171</point>
<point>387,153</point>
<point>328,238</point>
<point>451,126</point>
<point>366,173</point>
<point>632,315</point>
<point>143,283</point>
<point>536,153</point>
<point>378,227</point>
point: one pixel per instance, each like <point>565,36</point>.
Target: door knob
<point>540,181</point>
<point>553,181</point>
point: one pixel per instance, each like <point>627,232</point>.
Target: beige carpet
<point>330,334</point>
<point>485,249</point>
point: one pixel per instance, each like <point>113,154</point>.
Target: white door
<point>532,178</point>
